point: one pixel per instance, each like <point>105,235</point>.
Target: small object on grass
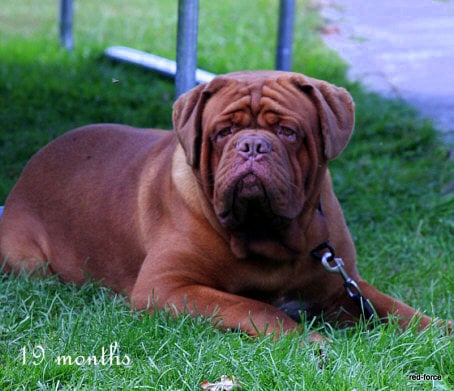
<point>225,384</point>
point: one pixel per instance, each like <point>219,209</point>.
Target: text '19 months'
<point>109,356</point>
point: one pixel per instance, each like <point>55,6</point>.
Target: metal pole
<point>188,11</point>
<point>66,24</point>
<point>285,35</point>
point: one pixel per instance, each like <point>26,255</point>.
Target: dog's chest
<point>270,281</point>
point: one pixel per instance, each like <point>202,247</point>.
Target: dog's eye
<point>287,132</point>
<point>224,132</point>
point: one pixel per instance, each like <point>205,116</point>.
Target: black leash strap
<point>326,255</point>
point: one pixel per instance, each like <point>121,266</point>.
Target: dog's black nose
<point>253,146</point>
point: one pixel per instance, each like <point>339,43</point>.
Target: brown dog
<point>219,216</point>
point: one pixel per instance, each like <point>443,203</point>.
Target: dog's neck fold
<point>290,244</point>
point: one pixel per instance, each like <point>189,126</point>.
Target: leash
<point>326,255</point>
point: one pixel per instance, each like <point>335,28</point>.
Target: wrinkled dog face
<point>259,142</point>
<point>262,153</point>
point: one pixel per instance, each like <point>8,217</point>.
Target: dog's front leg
<point>229,311</point>
<point>385,305</point>
<point>226,310</point>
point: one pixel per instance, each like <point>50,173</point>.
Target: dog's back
<point>97,166</point>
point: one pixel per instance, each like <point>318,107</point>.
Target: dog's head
<point>259,143</point>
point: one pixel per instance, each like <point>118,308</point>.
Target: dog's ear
<point>336,111</point>
<point>187,118</point>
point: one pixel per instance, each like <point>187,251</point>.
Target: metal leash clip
<point>350,285</point>
<point>339,268</point>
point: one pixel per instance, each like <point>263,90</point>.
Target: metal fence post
<point>285,35</point>
<point>66,24</point>
<point>188,12</point>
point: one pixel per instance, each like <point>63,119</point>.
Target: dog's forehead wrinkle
<point>236,105</point>
<point>248,97</point>
<point>256,95</point>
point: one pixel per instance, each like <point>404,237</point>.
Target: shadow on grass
<point>43,100</point>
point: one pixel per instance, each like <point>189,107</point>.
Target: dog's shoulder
<point>184,180</point>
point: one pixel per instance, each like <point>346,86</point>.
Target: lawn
<point>390,182</point>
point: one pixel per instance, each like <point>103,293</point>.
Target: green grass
<point>54,321</point>
<point>389,181</point>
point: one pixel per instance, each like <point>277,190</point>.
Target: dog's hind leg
<point>23,243</point>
